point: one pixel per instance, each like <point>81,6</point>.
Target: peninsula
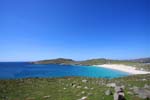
<point>133,66</point>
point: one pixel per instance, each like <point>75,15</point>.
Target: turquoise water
<point>17,70</point>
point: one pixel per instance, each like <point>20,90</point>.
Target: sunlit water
<point>17,70</point>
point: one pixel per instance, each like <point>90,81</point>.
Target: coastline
<point>124,68</point>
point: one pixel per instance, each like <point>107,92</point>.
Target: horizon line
<point>75,59</point>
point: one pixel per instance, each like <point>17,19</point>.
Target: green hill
<point>55,61</point>
<point>142,64</point>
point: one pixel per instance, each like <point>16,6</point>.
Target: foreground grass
<point>69,88</point>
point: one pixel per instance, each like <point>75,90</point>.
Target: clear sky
<point>77,29</point>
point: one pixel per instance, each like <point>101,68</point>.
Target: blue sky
<point>78,29</point>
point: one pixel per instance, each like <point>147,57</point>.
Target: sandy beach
<point>124,68</point>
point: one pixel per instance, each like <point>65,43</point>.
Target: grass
<point>68,88</point>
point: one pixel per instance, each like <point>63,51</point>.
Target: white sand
<point>124,68</point>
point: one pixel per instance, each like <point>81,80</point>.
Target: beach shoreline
<point>123,68</point>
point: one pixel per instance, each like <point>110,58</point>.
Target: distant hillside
<point>85,62</point>
<point>142,60</point>
<point>70,61</point>
<point>142,64</point>
<point>55,61</point>
<point>94,61</point>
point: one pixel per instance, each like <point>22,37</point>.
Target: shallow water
<point>15,70</point>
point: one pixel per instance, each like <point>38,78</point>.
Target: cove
<point>17,70</point>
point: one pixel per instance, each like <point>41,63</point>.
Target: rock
<point>142,93</point>
<point>86,87</point>
<point>108,92</point>
<point>146,86</point>
<point>78,87</point>
<point>82,92</point>
<point>122,86</point>
<point>144,79</point>
<point>111,85</point>
<point>74,86</point>
<point>135,90</point>
<point>45,97</point>
<point>84,81</point>
<point>115,96</point>
<point>119,93</point>
<point>117,88</point>
<point>83,98</point>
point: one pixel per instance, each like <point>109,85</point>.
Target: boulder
<point>83,98</point>
<point>108,92</point>
<point>135,89</point>
<point>111,85</point>
<point>86,87</point>
<point>146,86</point>
<point>84,81</point>
<point>142,93</point>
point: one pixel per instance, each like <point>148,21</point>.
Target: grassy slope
<point>61,88</point>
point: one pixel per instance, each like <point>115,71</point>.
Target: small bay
<point>16,70</point>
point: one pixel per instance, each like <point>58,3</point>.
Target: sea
<point>17,70</point>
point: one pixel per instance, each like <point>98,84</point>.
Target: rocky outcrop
<point>119,93</point>
<point>141,92</point>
